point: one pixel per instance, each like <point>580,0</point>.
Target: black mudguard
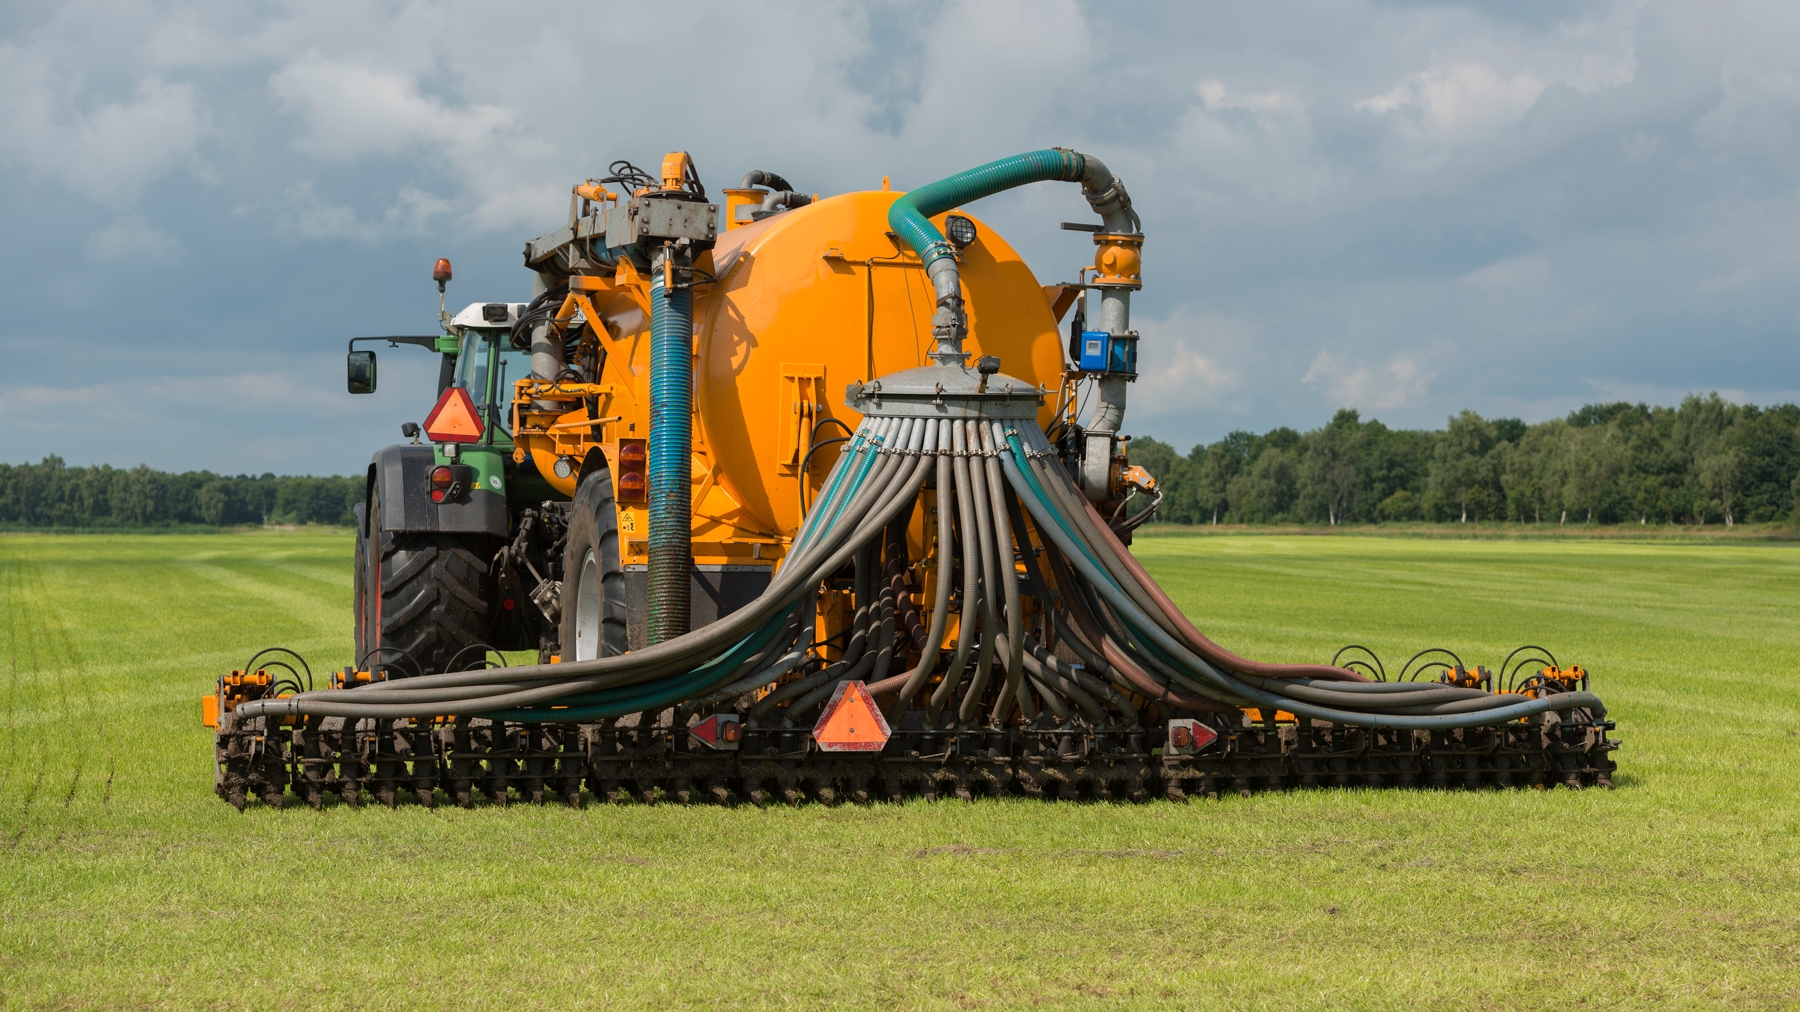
<point>404,473</point>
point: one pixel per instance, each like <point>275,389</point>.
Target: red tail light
<point>634,455</point>
<point>443,484</point>
<point>634,460</point>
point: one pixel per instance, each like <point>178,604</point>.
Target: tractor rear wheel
<point>425,598</point>
<point>361,592</point>
<point>593,594</point>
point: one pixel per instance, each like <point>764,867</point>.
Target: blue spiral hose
<point>671,460</point>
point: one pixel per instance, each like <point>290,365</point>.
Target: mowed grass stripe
<point>1674,891</point>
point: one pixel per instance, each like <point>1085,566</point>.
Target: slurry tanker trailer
<point>795,498</point>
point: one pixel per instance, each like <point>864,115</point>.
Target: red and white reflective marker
<point>851,722</point>
<point>721,730</point>
<point>455,419</point>
<point>1188,736</point>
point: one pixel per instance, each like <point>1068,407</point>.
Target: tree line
<point>1706,461</point>
<point>52,494</point>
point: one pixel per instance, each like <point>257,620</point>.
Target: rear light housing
<point>634,461</point>
<point>1188,736</point>
<point>631,487</point>
<point>447,481</point>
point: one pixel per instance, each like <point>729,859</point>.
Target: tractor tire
<point>360,594</point>
<point>425,599</point>
<point>593,594</point>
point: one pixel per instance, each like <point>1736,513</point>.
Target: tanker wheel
<point>424,597</point>
<point>593,595</point>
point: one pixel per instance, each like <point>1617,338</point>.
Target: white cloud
<point>301,213</point>
<point>349,111</point>
<point>1462,98</point>
<point>1246,144</point>
<point>107,150</point>
<point>1514,272</point>
<point>1282,218</point>
<point>1214,95</point>
<point>1402,381</point>
<point>1189,359</point>
<point>1485,83</point>
<point>129,237</point>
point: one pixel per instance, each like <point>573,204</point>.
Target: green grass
<point>124,883</point>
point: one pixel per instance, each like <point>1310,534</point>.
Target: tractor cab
<point>486,364</point>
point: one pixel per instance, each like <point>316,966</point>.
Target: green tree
<point>1720,474</point>
<point>1331,471</point>
<point>1402,505</point>
<point>1267,492</point>
<point>1462,463</point>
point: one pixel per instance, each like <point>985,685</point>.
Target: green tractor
<point>455,543</point>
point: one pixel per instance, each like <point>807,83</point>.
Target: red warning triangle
<point>455,419</point>
<point>721,730</point>
<point>707,731</point>
<point>851,723</point>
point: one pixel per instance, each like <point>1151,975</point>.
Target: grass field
<point>124,883</point>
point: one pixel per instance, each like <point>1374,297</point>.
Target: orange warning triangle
<point>851,723</point>
<point>455,419</point>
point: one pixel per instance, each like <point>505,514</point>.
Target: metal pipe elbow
<point>780,199</point>
<point>1106,194</point>
<point>763,177</point>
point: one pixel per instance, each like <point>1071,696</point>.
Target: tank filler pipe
<point>671,457</point>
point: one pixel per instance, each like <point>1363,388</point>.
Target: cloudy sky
<point>1407,208</point>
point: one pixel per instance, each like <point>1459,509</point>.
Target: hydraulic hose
<point>769,672</point>
<point>995,486</point>
<point>969,619</point>
<point>940,608</point>
<point>901,491</point>
<point>1051,678</point>
<point>1039,505</point>
<point>880,500</point>
<point>990,581</point>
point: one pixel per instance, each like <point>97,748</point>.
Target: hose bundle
<point>1054,619</point>
<point>876,478</point>
<point>1125,617</point>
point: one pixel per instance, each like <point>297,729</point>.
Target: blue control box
<point>1104,352</point>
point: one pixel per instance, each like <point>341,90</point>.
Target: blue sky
<point>1407,208</point>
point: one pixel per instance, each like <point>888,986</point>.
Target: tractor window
<point>486,361</point>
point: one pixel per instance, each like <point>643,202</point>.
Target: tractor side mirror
<point>362,372</point>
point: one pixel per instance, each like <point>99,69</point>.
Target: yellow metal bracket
<point>802,399</point>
